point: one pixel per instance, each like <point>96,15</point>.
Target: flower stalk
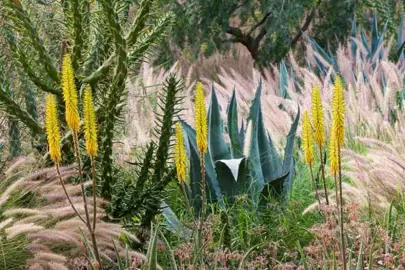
<point>319,132</point>
<point>201,131</point>
<point>337,141</point>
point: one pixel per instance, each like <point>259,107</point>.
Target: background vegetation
<point>243,195</point>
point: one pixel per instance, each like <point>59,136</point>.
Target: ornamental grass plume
<point>318,124</point>
<point>52,129</point>
<point>89,121</point>
<point>308,147</point>
<point>70,94</point>
<point>201,119</point>
<point>337,141</point>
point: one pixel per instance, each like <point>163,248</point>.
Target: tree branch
<point>262,21</point>
<point>305,25</point>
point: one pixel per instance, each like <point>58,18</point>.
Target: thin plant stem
<point>183,189</point>
<point>203,201</point>
<point>93,175</point>
<point>67,194</point>
<point>92,234</point>
<point>314,184</point>
<point>337,201</point>
<point>341,210</point>
<point>323,175</point>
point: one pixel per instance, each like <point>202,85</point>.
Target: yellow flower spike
<point>180,157</point>
<point>338,112</point>
<point>317,116</point>
<point>201,119</point>
<point>52,129</point>
<point>70,94</point>
<point>90,125</point>
<point>307,140</point>
<point>333,153</point>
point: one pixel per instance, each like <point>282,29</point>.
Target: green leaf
<point>251,141</point>
<point>360,258</point>
<point>216,143</point>
<point>274,188</point>
<point>232,176</point>
<point>214,192</point>
<point>283,84</point>
<point>233,131</point>
<point>289,162</point>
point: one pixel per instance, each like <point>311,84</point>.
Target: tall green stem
<point>88,223</point>
<point>323,175</point>
<point>314,184</point>
<point>342,237</point>
<point>203,202</point>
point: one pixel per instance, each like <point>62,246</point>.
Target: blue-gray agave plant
<point>249,163</point>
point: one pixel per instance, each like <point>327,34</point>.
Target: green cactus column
<point>13,129</point>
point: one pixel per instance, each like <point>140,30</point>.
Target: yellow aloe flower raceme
<point>338,112</point>
<point>307,140</point>
<point>90,125</point>
<point>333,153</point>
<point>52,129</point>
<point>70,94</point>
<point>317,116</point>
<point>201,119</point>
<point>180,157</point>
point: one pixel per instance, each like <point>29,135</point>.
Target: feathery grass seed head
<point>201,119</point>
<point>52,128</point>
<point>70,94</point>
<point>90,125</point>
<point>317,116</point>
<point>180,154</point>
<point>307,140</point>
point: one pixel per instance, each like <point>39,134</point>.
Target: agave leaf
<point>173,224</point>
<point>364,41</point>
<point>289,162</point>
<point>214,192</point>
<point>353,34</point>
<point>400,40</point>
<point>275,161</point>
<point>374,35</point>
<point>380,47</point>
<point>232,175</point>
<point>242,133</point>
<point>234,135</point>
<point>233,166</point>
<point>283,84</point>
<point>253,159</point>
<point>264,149</point>
<point>216,143</point>
<point>274,188</point>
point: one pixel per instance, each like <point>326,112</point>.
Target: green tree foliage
<point>267,28</point>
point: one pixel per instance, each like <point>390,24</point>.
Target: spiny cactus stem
<point>86,210</point>
<point>323,174</point>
